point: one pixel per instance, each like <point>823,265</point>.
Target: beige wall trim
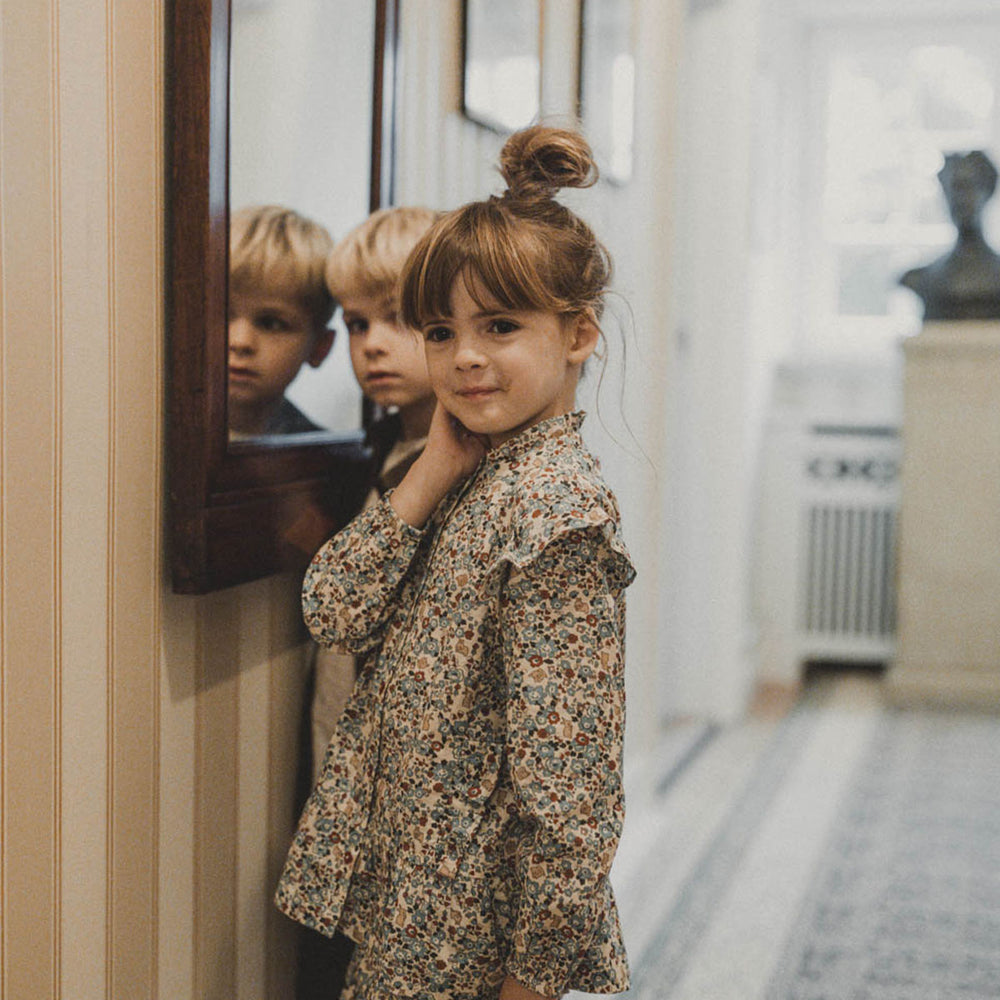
<point>135,265</point>
<point>81,261</point>
<point>29,935</point>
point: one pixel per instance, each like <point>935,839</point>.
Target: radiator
<point>828,547</point>
<point>846,551</point>
<point>847,578</point>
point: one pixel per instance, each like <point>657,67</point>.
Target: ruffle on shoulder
<point>535,527</point>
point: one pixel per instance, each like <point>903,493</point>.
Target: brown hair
<point>369,259</point>
<point>278,250</point>
<point>523,249</point>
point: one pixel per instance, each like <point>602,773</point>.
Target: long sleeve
<point>562,622</point>
<point>350,588</point>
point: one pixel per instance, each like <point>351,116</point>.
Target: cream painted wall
<point>82,333</point>
<point>149,739</point>
<point>714,419</point>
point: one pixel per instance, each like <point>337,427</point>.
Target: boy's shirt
<point>397,463</point>
<point>289,419</point>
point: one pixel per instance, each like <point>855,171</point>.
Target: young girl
<point>471,800</point>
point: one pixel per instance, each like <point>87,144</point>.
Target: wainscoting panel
<point>30,491</point>
<point>135,725</point>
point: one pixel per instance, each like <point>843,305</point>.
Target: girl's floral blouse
<point>471,800</point>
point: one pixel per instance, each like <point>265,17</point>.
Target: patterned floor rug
<point>903,902</point>
<point>664,960</point>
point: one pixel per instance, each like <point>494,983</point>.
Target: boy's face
<point>388,358</point>
<point>270,338</point>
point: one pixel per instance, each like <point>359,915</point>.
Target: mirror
<point>302,141</point>
<point>245,509</point>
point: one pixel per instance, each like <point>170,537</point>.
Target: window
<point>886,104</point>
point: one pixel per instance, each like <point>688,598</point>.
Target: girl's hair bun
<point>524,249</point>
<point>537,161</point>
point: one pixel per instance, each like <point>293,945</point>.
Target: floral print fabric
<point>470,802</point>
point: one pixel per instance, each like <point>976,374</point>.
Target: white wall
<point>712,420</point>
<point>300,130</point>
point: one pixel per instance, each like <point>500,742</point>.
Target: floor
<point>704,797</point>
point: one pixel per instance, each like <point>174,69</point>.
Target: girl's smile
<point>500,371</point>
<point>477,392</point>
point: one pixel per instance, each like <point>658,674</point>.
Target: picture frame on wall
<point>607,84</point>
<point>501,63</point>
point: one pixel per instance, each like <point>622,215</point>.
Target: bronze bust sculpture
<point>965,283</point>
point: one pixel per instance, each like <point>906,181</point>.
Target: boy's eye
<point>356,324</point>
<point>502,326</point>
<point>272,323</point>
<point>437,334</point>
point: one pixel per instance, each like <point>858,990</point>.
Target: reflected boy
<point>387,358</point>
<point>279,311</point>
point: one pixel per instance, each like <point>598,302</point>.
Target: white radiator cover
<point>825,547</point>
<point>846,598</point>
<point>848,587</point>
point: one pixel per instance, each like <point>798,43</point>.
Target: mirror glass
<point>607,85</point>
<point>502,72</point>
<point>300,138</point>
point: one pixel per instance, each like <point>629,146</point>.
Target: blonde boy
<point>279,311</point>
<point>362,274</point>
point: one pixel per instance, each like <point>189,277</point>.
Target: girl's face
<point>499,371</point>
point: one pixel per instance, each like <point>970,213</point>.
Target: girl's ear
<point>322,343</point>
<point>585,335</point>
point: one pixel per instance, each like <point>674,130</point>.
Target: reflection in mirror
<point>502,72</point>
<point>607,85</point>
<point>279,315</point>
<point>300,139</point>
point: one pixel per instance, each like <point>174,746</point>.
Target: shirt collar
<point>564,428</point>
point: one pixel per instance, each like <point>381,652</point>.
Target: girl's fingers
<point>465,434</point>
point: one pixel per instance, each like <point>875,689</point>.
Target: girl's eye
<point>437,334</point>
<point>502,326</point>
<point>356,325</point>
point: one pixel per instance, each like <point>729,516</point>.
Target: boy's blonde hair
<point>523,249</point>
<point>368,261</point>
<point>277,250</point>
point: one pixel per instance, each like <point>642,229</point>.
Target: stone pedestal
<point>948,632</point>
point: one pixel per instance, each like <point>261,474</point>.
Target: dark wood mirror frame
<point>238,513</point>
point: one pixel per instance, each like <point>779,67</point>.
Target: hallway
<point>839,849</point>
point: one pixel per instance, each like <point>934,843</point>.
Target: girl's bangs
<point>498,266</point>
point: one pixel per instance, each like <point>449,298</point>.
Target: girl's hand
<point>454,451</point>
<point>451,455</point>
<point>513,990</point>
